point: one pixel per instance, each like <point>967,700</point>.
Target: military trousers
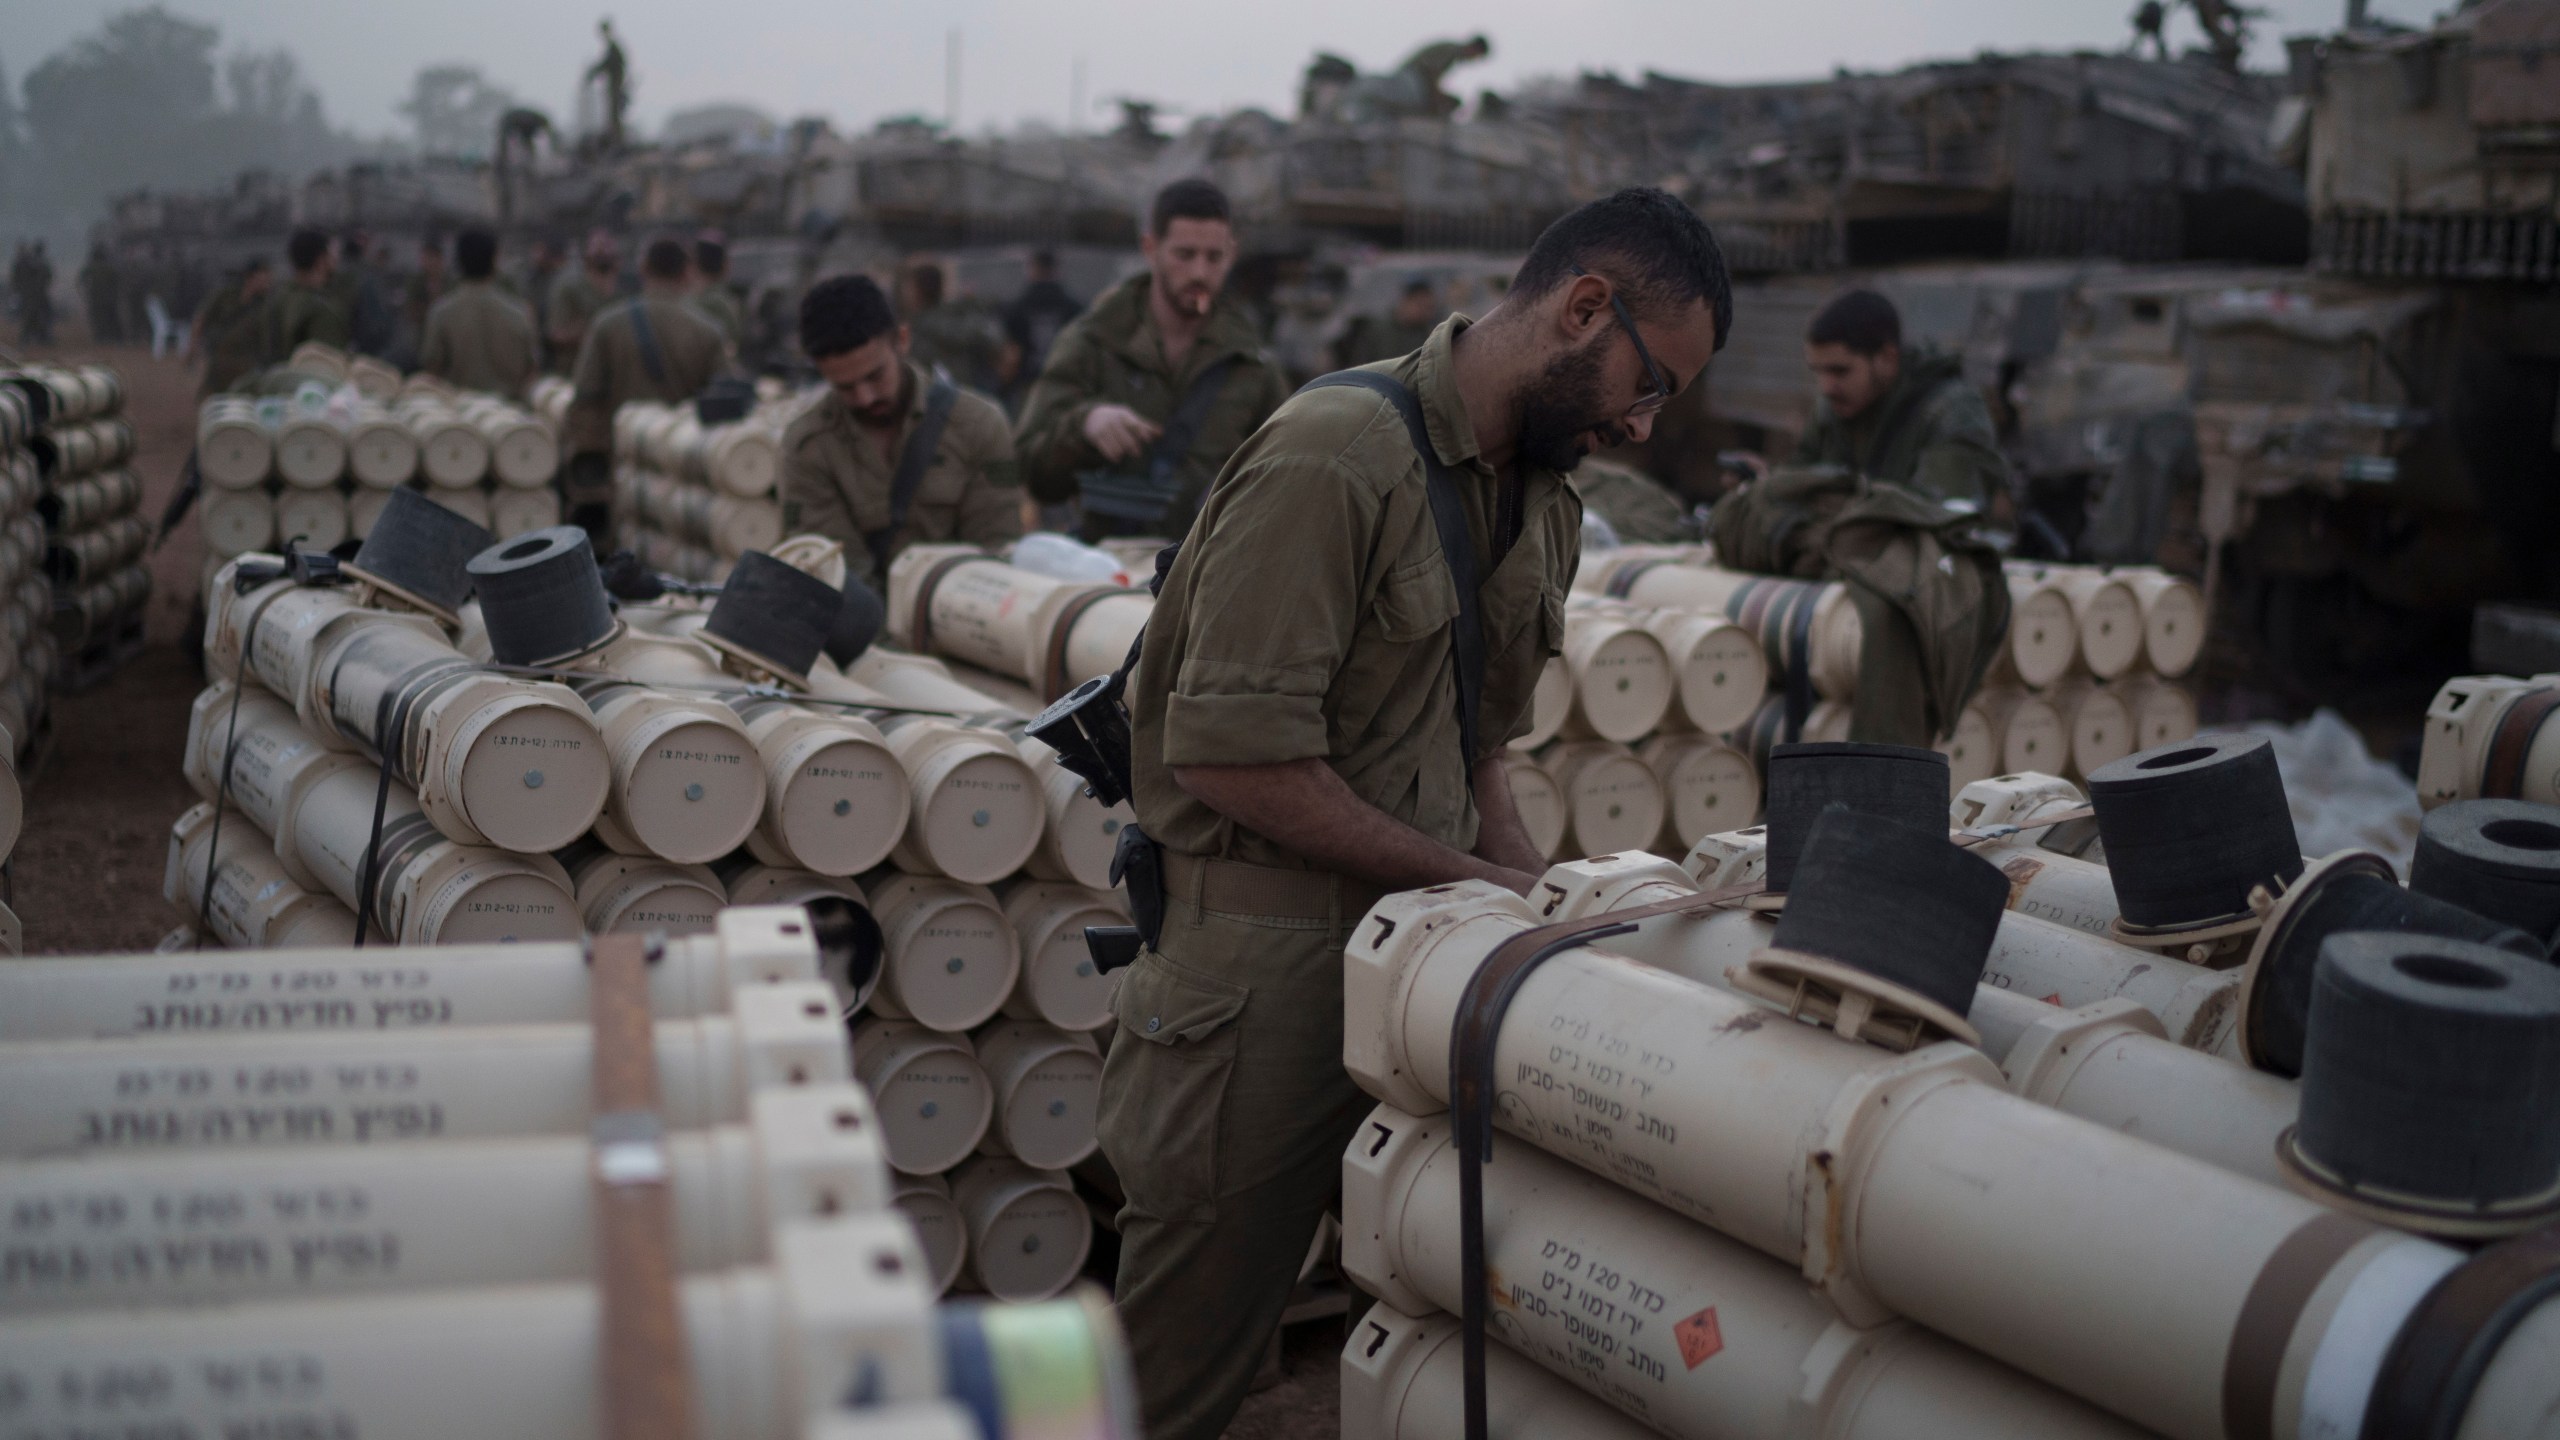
<point>1225,1111</point>
<point>1892,704</point>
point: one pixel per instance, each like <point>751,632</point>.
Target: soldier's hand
<point>1119,432</point>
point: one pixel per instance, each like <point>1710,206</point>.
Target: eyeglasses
<point>1660,395</point>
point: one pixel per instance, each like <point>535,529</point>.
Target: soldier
<point>1400,331</point>
<point>1639,509</point>
<point>230,329</point>
<point>578,295</point>
<point>653,346</point>
<point>1146,394</point>
<point>615,71</point>
<point>1909,419</point>
<point>305,310</point>
<point>31,278</point>
<point>101,286</point>
<point>960,338</point>
<point>426,285</point>
<point>478,337</point>
<point>717,302</point>
<point>356,285</point>
<point>892,456</point>
<point>1431,65</point>
<point>1298,751</point>
<point>1032,321</point>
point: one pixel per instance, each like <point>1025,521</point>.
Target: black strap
<point>1800,661</point>
<point>650,359</point>
<point>912,463</point>
<point>1449,517</point>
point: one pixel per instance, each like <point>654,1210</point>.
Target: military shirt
<point>1372,338</point>
<point>836,478</point>
<point>575,299</point>
<point>234,337</point>
<point>479,339</point>
<point>719,305</point>
<point>612,371</point>
<point>1640,509</point>
<point>1930,432</point>
<point>1111,355</point>
<point>1310,614</point>
<point>297,313</point>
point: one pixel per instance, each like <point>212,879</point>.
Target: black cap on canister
<point>542,597</point>
<point>2498,858</point>
<point>2432,1072</point>
<point>859,616</point>
<point>420,551</point>
<point>773,616</point>
<point>1901,903</point>
<point>1896,782</point>
<point>2192,827</point>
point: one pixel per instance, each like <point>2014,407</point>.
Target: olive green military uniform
<point>612,371</point>
<point>297,313</point>
<point>1309,615</point>
<point>234,337</point>
<point>1372,338</point>
<point>1640,509</point>
<point>479,339</point>
<point>836,477</point>
<point>575,299</point>
<point>963,338</point>
<point>1930,433</point>
<point>719,305</point>
<point>1110,355</point>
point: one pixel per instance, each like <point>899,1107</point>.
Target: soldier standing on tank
<point>1146,394</point>
<point>843,458</point>
<point>230,330</point>
<point>576,297</point>
<point>100,286</point>
<point>477,336</point>
<point>1297,753</point>
<point>712,295</point>
<point>654,346</point>
<point>31,281</point>
<point>307,310</point>
<point>615,71</point>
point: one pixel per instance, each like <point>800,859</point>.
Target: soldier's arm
<point>1961,459</point>
<point>1049,440</point>
<point>590,420</point>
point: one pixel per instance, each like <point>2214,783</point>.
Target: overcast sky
<point>856,61</point>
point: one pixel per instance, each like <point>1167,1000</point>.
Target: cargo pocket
<point>1165,1084</point>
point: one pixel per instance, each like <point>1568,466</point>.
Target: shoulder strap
<point>1183,426</point>
<point>913,461</point>
<point>1449,518</point>
<point>650,359</point>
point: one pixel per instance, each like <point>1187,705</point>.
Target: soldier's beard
<point>1561,406</point>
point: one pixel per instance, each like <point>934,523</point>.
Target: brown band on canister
<point>2502,776</point>
<point>1053,668</point>
<point>644,1376</point>
<point>922,640</point>
<point>2267,1317</point>
<point>1626,578</point>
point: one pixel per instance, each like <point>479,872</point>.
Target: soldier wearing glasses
<point>1296,751</point>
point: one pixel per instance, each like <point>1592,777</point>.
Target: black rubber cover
<point>423,548</point>
<point>2434,1068</point>
<point>2191,827</point>
<point>857,623</point>
<point>1900,902</point>
<point>775,613</point>
<point>1897,782</point>
<point>2336,904</point>
<point>2499,858</point>
<point>541,596</point>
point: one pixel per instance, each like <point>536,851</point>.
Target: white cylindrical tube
<point>836,800</point>
<point>2044,636</point>
<point>2173,619</point>
<point>233,450</point>
<point>843,1310</point>
<point>1781,615</point>
<point>259,1224</point>
<point>1622,679</point>
<point>1707,787</point>
<point>1612,802</point>
<point>1081,834</point>
<point>2111,1063</point>
<point>1060,984</point>
<point>952,956</point>
<point>1028,1230</point>
<point>2467,720</point>
<point>634,894</point>
<point>1909,1185</point>
<point>1722,674</point>
<point>2163,711</point>
<point>687,783</point>
<point>427,890</point>
<point>521,512</point>
<point>251,904</point>
<point>310,452</point>
<point>1693,1333</point>
<point>236,522</point>
<point>1403,1379</point>
<point>944,1237</point>
<point>1972,748</point>
<point>2100,725</point>
<point>2108,616</point>
<point>978,808</point>
<point>264,992</point>
<point>343,1088</point>
<point>1540,803</point>
<point>381,453</point>
<point>933,1098</point>
<point>1048,1088</point>
<point>856,971</point>
<point>1549,703</point>
<point>2032,735</point>
<point>315,518</point>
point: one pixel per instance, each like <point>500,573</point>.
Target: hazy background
<point>297,83</point>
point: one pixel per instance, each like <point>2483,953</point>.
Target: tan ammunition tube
<point>836,800</point>
<point>1059,984</point>
<point>1549,703</point>
<point>262,993</point>
<point>688,784</point>
<point>1048,1088</point>
<point>844,1309</point>
<point>1695,1334</point>
<point>252,904</point>
<point>257,1224</point>
<point>1612,801</point>
<point>2173,619</point>
<point>2107,615</point>
<point>1707,786</point>
<point>2163,711</point>
<point>1903,1184</point>
<point>952,955</point>
<point>637,895</point>
<point>1081,834</point>
<point>954,600</point>
<point>2044,634</point>
<point>1766,607</point>
<point>934,1100</point>
<point>1028,1230</point>
<point>1721,673</point>
<point>2097,720</point>
<point>926,1202</point>
<point>2466,721</point>
<point>1623,684</point>
<point>978,810</point>
<point>1972,748</point>
<point>350,1088</point>
<point>1404,1379</point>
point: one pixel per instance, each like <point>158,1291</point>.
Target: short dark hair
<point>307,248</point>
<point>1193,199</point>
<point>1655,249</point>
<point>664,260</point>
<point>710,257</point>
<point>843,314</point>
<point>475,254</point>
<point>1863,320</point>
